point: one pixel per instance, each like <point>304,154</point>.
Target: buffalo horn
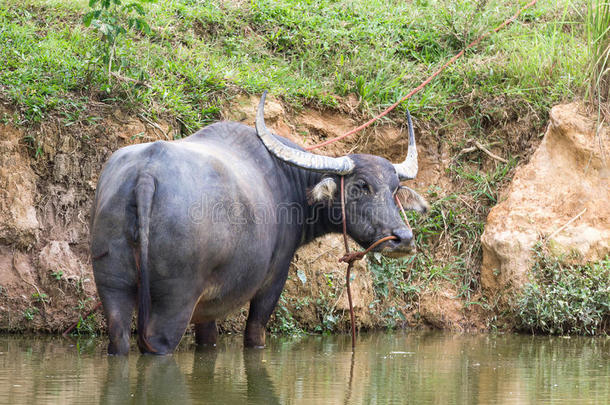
<point>407,170</point>
<point>341,165</point>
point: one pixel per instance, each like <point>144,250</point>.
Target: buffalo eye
<point>359,188</point>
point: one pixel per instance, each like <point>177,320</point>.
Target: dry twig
<point>155,126</point>
<point>122,78</point>
<point>481,147</point>
<point>566,224</point>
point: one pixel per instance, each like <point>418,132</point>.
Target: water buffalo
<point>192,229</point>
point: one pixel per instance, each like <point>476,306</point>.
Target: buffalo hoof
<point>254,336</point>
<point>118,350</point>
<point>254,342</point>
<point>253,346</point>
<point>206,334</point>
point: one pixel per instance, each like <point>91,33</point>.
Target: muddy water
<point>401,368</point>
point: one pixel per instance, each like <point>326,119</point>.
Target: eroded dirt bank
<point>47,186</point>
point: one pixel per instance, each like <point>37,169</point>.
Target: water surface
<point>399,368</point>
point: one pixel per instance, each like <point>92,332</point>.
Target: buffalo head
<point>371,187</point>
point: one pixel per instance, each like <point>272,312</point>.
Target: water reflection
<point>416,368</point>
<point>116,390</point>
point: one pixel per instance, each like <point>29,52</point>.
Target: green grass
<point>598,37</point>
<point>563,298</point>
<point>283,321</point>
<point>202,53</point>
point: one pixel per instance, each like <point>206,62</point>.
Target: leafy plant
<point>106,18</point>
<point>284,322</point>
<point>85,326</point>
<point>394,318</point>
<point>57,274</point>
<point>326,312</point>
<point>29,313</point>
<point>564,298</point>
<point>40,297</point>
<point>387,273</point>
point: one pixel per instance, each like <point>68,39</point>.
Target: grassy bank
<point>201,55</point>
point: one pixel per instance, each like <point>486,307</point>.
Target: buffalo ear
<point>323,192</point>
<point>410,200</point>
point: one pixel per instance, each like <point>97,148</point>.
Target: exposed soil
<point>45,273</point>
<point>559,198</point>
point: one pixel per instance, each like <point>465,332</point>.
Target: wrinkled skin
<point>224,221</point>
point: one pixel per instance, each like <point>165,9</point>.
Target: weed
<point>105,18</point>
<point>393,318</point>
<point>326,313</point>
<point>57,275</point>
<point>485,185</point>
<point>563,298</point>
<point>79,285</point>
<point>85,326</point>
<point>30,312</point>
<point>284,323</point>
<point>387,273</point>
<point>301,303</point>
<point>82,304</point>
<point>40,297</point>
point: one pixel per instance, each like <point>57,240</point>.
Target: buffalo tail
<point>144,191</point>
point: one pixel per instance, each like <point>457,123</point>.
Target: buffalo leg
<point>261,307</point>
<point>118,308</point>
<point>206,333</point>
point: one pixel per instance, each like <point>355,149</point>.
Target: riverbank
<point>329,69</point>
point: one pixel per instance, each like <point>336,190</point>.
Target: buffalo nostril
<point>403,234</point>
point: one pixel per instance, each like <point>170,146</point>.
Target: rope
<point>350,258</point>
<point>425,82</point>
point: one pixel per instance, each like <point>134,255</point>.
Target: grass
<point>202,53</point>
<point>562,298</point>
<point>598,38</point>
